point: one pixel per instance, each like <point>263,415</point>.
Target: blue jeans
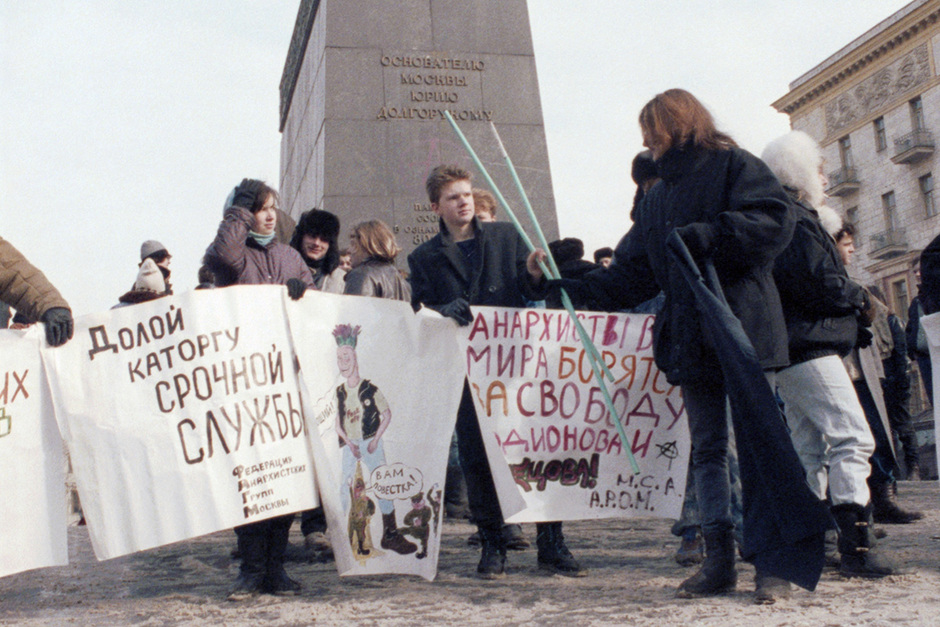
<point>689,518</point>
<point>370,461</point>
<point>705,406</point>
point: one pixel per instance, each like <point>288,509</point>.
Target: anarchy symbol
<point>669,450</point>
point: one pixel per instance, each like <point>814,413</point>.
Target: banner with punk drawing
<point>381,389</point>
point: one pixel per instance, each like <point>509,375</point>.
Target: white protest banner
<point>536,395</point>
<point>183,417</point>
<point>382,386</point>
<point>32,463</point>
<point>931,325</point>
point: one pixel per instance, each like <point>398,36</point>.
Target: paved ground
<point>632,581</point>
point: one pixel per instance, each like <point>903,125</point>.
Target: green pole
<point>594,357</point>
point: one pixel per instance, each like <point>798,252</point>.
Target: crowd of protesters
<point>832,356</point>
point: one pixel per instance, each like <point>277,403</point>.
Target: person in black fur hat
<point>315,239</point>
<point>569,256</point>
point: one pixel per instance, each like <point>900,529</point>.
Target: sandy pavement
<point>632,581</point>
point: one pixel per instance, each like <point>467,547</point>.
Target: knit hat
<point>149,278</point>
<point>150,247</point>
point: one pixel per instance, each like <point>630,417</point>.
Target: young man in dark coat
<point>474,263</point>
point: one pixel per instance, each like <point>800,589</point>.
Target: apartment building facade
<point>874,107</point>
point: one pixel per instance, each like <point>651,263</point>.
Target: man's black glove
<point>577,290</point>
<point>58,321</point>
<point>296,289</point>
<point>459,310</point>
<point>246,193</point>
<point>699,238</point>
<point>865,337</point>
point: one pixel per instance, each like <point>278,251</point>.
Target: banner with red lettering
<point>381,389</point>
<point>32,463</point>
<point>183,417</point>
<point>543,415</point>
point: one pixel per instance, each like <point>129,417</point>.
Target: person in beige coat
<point>25,288</point>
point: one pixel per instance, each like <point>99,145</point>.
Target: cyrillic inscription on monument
<point>425,224</point>
<point>429,85</point>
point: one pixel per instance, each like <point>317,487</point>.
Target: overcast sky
<point>126,121</point>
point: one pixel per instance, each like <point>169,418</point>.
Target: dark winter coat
<point>441,273</point>
<point>571,269</point>
<point>914,313</point>
<point>820,302</point>
<point>896,365</point>
<point>737,201</point>
<point>236,258</point>
<point>930,277</point>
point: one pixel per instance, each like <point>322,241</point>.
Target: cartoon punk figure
<point>362,417</point>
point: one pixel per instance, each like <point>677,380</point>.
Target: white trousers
<point>828,428</point>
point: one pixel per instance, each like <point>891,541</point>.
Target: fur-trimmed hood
<point>796,160</point>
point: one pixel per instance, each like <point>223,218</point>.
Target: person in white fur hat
<point>822,307</point>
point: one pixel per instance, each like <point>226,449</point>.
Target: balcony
<point>913,147</point>
<point>888,244</point>
<point>843,182</point>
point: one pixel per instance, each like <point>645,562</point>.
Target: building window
<point>845,152</point>
<point>881,138</point>
<point>901,298</point>
<point>926,190</point>
<point>851,217</point>
<point>917,114</point>
<point>889,204</point>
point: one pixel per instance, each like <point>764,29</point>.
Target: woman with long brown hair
<point>727,206</point>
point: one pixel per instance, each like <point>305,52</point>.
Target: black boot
<point>717,574</point>
<point>554,555</point>
<point>455,493</point>
<point>860,558</point>
<point>392,538</point>
<point>252,548</point>
<point>886,510</point>
<point>515,541</point>
<point>493,555</point>
<point>276,580</point>
<point>768,589</point>
<point>833,558</point>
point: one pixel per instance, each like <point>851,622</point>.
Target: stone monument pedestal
<point>362,99</point>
